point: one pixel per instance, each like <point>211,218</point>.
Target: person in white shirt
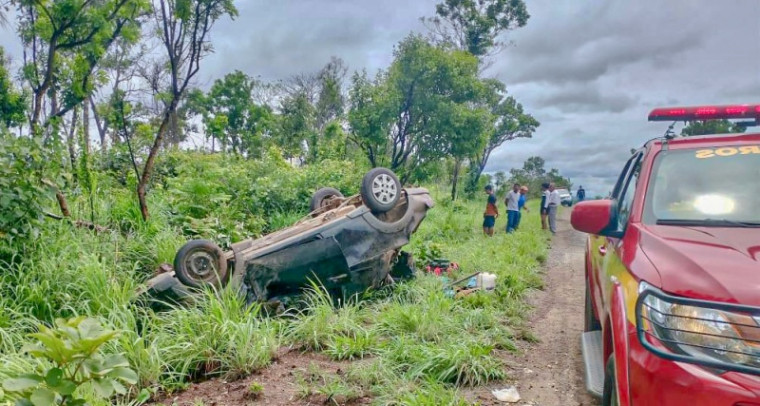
<point>513,207</point>
<point>552,203</point>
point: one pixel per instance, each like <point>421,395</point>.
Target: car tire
<point>610,394</point>
<point>201,263</point>
<point>380,190</point>
<point>322,196</point>
<point>590,321</point>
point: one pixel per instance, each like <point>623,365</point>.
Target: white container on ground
<point>486,281</point>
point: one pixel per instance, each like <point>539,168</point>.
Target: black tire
<point>609,394</point>
<point>201,263</point>
<point>322,196</point>
<point>381,190</point>
<point>590,321</point>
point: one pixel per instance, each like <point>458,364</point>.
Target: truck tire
<point>201,263</point>
<point>590,321</point>
<point>609,394</point>
<point>322,196</point>
<point>380,190</point>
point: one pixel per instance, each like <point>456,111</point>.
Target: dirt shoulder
<point>550,372</point>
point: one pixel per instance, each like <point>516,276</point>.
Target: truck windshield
<point>710,187</point>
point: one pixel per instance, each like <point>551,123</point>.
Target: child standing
<point>491,213</point>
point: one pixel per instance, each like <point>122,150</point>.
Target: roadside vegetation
<point>111,159</point>
<point>400,336</point>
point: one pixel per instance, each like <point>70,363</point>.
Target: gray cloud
<point>589,70</point>
<point>277,39</point>
<point>586,98</point>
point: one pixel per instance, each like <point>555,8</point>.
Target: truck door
<point>609,249</point>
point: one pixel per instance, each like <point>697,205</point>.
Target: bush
<point>73,348</point>
<point>22,194</point>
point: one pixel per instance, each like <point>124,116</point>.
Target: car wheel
<point>380,190</point>
<point>610,394</point>
<point>591,323</point>
<point>201,263</point>
<point>323,196</point>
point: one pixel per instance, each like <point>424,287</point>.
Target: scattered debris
<point>476,282</point>
<point>509,395</point>
<point>440,265</point>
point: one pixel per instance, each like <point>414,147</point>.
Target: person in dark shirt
<point>491,213</point>
<point>544,209</point>
<point>581,194</point>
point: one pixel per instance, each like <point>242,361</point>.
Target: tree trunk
<point>455,179</point>
<point>70,142</point>
<point>60,197</point>
<point>476,171</point>
<point>90,103</point>
<point>86,128</point>
<point>150,162</point>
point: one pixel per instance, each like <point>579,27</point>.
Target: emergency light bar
<point>747,111</point>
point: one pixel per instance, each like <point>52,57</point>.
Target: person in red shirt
<point>491,213</point>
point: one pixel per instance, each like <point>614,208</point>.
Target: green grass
<point>409,344</point>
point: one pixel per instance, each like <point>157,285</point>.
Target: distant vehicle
<point>346,244</point>
<point>566,199</point>
<point>672,311</point>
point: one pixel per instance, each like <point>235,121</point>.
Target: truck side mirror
<point>597,217</point>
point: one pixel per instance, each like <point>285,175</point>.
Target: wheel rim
<point>384,188</point>
<point>201,265</point>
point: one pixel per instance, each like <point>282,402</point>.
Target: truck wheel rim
<point>384,188</point>
<point>201,265</point>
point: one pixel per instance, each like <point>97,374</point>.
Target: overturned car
<point>347,244</point>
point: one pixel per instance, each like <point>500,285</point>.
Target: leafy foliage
<point>74,349</point>
<point>424,108</point>
<point>533,174</point>
<point>12,101</point>
<point>23,197</point>
<point>711,127</point>
<point>475,25</point>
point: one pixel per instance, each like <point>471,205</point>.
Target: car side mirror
<point>597,217</point>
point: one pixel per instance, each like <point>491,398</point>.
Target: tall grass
<point>411,343</point>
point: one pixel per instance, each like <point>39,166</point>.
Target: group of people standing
<point>515,202</point>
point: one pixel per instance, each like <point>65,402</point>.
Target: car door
<point>605,251</point>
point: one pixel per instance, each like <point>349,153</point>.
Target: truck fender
<point>620,342</point>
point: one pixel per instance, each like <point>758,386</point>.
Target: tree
<point>509,122</point>
<point>183,26</point>
<point>331,101</point>
<point>121,67</point>
<point>427,106</point>
<point>297,124</point>
<point>230,98</point>
<point>711,127</point>
<point>500,179</point>
<point>12,101</point>
<point>68,38</point>
<point>475,25</point>
<point>533,174</point>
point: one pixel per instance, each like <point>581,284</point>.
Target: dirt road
<point>550,372</point>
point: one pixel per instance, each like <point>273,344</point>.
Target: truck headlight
<point>714,334</point>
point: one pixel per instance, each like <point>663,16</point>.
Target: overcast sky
<point>588,70</point>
